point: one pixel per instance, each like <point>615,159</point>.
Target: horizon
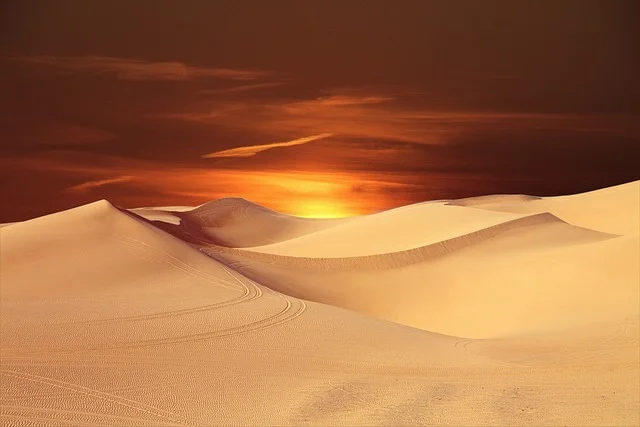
<point>316,109</point>
<point>312,215</point>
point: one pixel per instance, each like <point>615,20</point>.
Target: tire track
<point>293,309</point>
<point>34,420</point>
<point>122,401</point>
<point>27,409</point>
<point>250,292</point>
<point>287,314</point>
<point>278,319</point>
<point>172,260</point>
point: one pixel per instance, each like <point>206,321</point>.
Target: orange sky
<point>313,108</point>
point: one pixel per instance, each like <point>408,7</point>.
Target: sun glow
<point>321,209</point>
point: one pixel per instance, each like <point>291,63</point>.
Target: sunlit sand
<point>494,310</point>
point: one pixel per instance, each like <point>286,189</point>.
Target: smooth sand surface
<point>499,310</point>
<point>390,231</point>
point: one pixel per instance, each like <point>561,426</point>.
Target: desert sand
<point>494,310</point>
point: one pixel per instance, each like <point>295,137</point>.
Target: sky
<point>313,108</point>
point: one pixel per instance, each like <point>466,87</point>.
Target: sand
<point>234,222</point>
<point>497,310</point>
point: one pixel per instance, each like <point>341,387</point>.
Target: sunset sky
<point>313,108</point>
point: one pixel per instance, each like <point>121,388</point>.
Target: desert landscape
<point>493,310</point>
<point>319,213</point>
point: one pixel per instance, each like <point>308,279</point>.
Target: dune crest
<point>610,210</point>
<point>403,228</point>
<point>562,234</point>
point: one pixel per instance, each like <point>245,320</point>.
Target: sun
<point>322,209</point>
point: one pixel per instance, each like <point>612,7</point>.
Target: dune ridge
<point>407,227</point>
<point>611,210</point>
<point>409,256</point>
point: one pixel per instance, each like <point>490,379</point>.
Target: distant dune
<point>493,310</point>
<point>235,222</point>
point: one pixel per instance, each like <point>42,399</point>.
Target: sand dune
<point>521,276</point>
<point>235,222</point>
<point>403,228</point>
<point>612,210</point>
<point>501,310</point>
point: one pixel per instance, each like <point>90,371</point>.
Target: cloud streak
<point>139,69</point>
<point>252,150</point>
<point>383,117</point>
<point>242,88</point>
<point>85,186</point>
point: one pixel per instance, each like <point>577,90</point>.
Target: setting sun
<point>321,209</point>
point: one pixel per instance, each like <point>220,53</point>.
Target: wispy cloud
<point>252,150</point>
<point>242,88</point>
<point>344,100</point>
<point>99,183</point>
<point>139,69</point>
<point>379,116</point>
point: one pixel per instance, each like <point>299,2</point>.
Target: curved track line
<point>171,260</point>
<point>336,365</point>
<point>17,408</point>
<point>288,313</point>
<point>31,420</point>
<point>138,251</point>
<point>250,292</point>
<point>132,404</point>
<point>258,325</point>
